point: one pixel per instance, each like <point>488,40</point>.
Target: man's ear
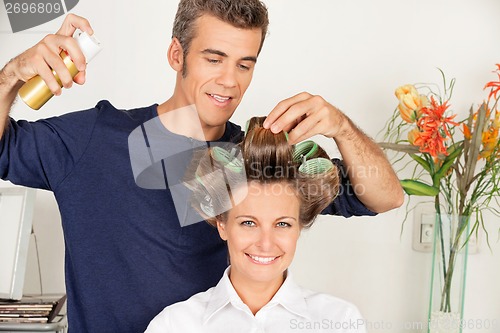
<point>175,55</point>
<point>221,227</point>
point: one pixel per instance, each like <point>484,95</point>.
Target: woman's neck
<point>255,294</point>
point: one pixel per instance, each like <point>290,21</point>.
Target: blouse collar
<point>289,296</point>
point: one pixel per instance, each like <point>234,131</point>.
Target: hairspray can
<point>35,93</point>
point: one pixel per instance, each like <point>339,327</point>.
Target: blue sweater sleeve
<point>41,154</point>
<point>346,203</point>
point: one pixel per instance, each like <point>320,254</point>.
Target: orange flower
<point>434,129</point>
<point>467,133</point>
<point>494,85</point>
<point>410,102</point>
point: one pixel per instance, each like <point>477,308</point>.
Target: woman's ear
<point>221,227</point>
<point>175,55</point>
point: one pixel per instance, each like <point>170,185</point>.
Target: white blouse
<point>292,309</point>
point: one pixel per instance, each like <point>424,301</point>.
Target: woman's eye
<point>283,224</point>
<point>248,223</point>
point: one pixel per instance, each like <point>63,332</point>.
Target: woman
<point>260,199</point>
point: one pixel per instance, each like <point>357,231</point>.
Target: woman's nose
<point>265,240</point>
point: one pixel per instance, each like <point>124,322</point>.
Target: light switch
<point>424,220</point>
<point>426,233</point>
<point>423,228</point>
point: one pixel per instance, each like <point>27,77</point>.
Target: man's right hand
<point>42,58</point>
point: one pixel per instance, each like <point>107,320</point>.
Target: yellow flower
<point>410,102</point>
<point>413,135</point>
<point>496,122</point>
<point>490,137</point>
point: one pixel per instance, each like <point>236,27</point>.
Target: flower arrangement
<point>454,162</point>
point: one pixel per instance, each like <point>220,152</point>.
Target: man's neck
<point>184,120</point>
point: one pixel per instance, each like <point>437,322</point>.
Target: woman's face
<point>262,233</point>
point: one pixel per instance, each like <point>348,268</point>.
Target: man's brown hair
<point>245,14</point>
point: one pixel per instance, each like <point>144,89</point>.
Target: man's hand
<point>305,115</point>
<point>371,175</point>
<point>41,59</point>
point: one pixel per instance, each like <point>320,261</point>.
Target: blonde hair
<point>266,158</point>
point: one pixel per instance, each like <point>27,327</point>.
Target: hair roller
<point>316,166</point>
<point>227,159</point>
<point>305,149</point>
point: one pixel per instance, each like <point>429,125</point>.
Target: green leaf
<point>453,152</point>
<point>422,162</point>
<point>415,187</point>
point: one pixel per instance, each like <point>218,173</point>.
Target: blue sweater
<point>127,256</point>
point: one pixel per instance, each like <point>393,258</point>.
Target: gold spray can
<point>35,93</point>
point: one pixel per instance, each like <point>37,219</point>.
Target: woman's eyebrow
<point>278,218</point>
<point>246,216</point>
<point>286,217</point>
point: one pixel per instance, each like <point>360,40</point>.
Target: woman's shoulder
<point>323,303</point>
<point>196,302</point>
<point>189,311</point>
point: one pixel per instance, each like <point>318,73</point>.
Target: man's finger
<point>55,63</point>
<point>47,76</point>
<point>281,108</point>
<point>58,42</point>
<point>290,126</point>
<point>307,128</point>
<point>73,22</point>
<point>294,115</point>
<point>80,78</point>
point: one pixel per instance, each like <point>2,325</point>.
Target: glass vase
<point>449,269</point>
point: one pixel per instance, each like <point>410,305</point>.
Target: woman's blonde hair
<point>266,158</point>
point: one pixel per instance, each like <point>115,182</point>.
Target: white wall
<point>353,53</point>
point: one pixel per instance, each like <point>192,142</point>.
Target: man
<point>127,256</point>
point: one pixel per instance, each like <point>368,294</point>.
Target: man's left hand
<point>305,115</point>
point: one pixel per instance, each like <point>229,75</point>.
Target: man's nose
<point>227,77</point>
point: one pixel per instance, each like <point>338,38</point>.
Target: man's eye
<point>283,224</point>
<point>244,68</point>
<point>248,223</point>
<point>213,61</point>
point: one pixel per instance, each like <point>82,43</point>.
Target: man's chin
<point>215,120</point>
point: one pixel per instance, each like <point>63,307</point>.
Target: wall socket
<point>423,230</point>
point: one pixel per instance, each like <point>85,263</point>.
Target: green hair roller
<point>316,166</point>
<point>305,149</point>
<point>227,159</point>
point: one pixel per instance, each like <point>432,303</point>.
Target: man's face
<point>220,64</point>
